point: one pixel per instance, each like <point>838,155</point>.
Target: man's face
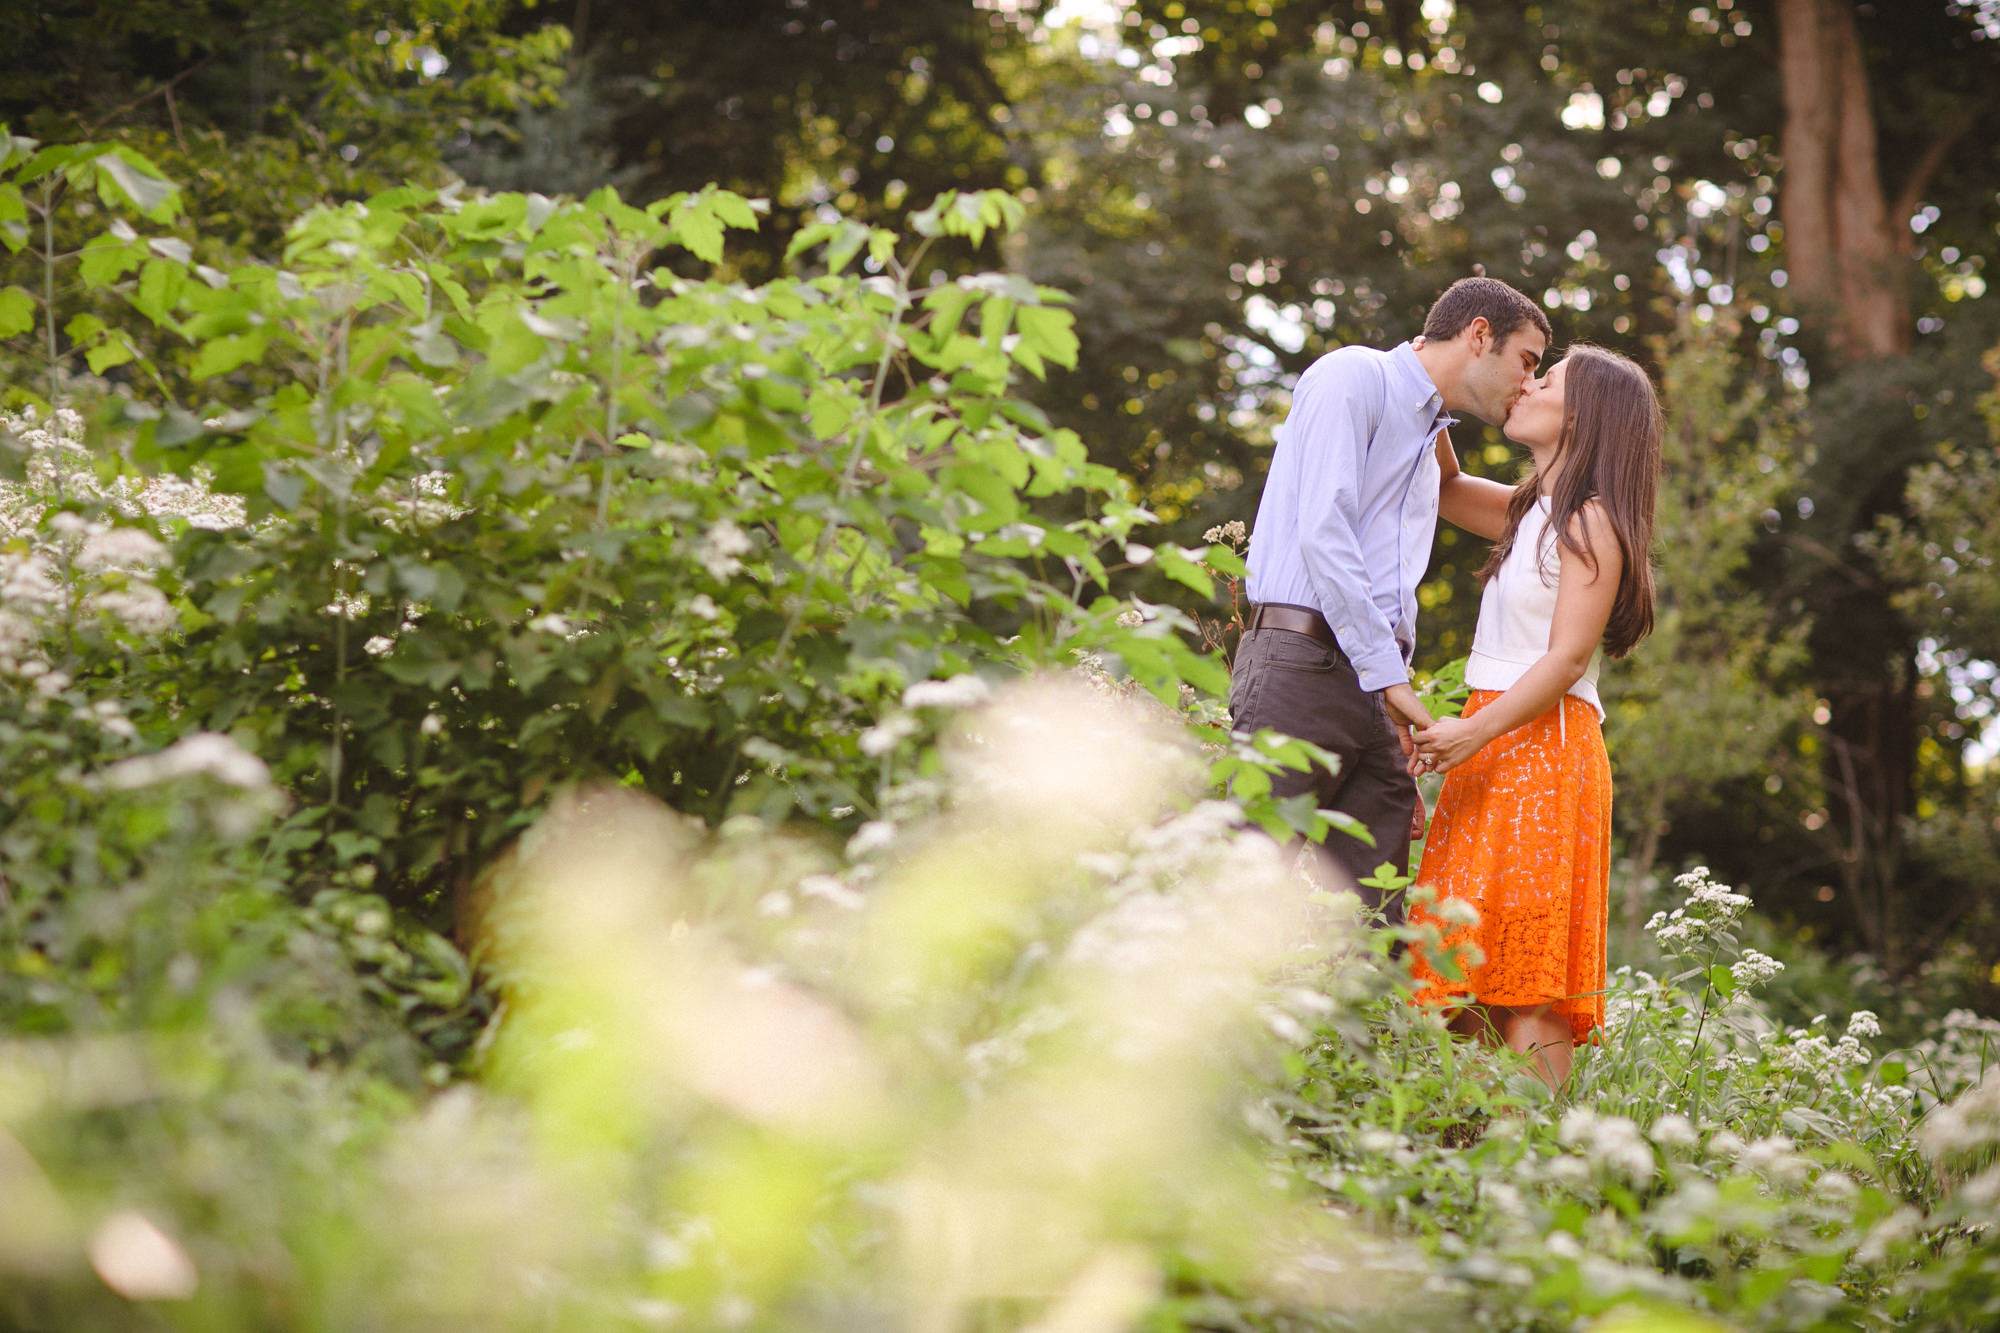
<point>1500,374</point>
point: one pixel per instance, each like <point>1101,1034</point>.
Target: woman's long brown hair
<point>1609,452</point>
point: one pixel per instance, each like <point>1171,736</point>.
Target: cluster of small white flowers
<point>966,691</point>
<point>60,465</point>
<point>348,605</point>
<point>1710,908</point>
<point>28,582</point>
<point>1189,843</point>
<point>870,838</point>
<point>886,735</point>
<point>1967,1124</point>
<point>204,754</point>
<point>1754,968</point>
<point>139,607</point>
<point>1232,534</point>
<point>106,549</point>
<point>1674,1130</point>
<point>71,565</point>
<point>1611,1143</point>
<point>721,549</point>
<point>1812,1055</point>
<point>1773,1158</point>
<point>167,499</point>
<point>416,502</point>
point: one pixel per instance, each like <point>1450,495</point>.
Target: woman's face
<point>1537,418</point>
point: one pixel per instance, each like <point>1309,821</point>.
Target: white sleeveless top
<point>1516,609</point>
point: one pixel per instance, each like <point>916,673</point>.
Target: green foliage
<point>524,507</point>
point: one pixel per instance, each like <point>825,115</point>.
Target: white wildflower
<point>378,645</point>
<point>887,734</point>
<point>27,582</point>
<point>1456,912</point>
<point>1577,1124</point>
<point>1573,1172</point>
<point>1725,1144</point>
<point>1674,1130</point>
<point>1968,1124</point>
<point>1377,1141</point>
<point>120,548</point>
<point>1131,619</point>
<point>872,836</point>
<point>1708,909</point>
<point>701,604</point>
<point>192,502</point>
<point>1563,1245</point>
<point>958,692</point>
<point>17,634</point>
<point>1760,1154</point>
<point>1754,969</point>
<point>139,607</point>
<point>830,890</point>
<point>1617,1146</point>
<point>1863,1023</point>
<point>1231,533</point>
<point>348,606</point>
<point>721,549</point>
<point>551,624</point>
<point>431,725</point>
<point>204,754</point>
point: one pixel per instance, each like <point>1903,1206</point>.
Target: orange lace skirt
<point>1523,833</point>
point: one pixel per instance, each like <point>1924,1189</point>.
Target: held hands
<point>1407,712</point>
<point>1445,744</point>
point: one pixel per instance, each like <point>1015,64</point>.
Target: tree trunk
<point>1847,257</point>
<point>1841,247</point>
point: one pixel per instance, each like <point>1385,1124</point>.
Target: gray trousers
<point>1296,684</point>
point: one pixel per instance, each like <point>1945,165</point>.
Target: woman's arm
<point>1473,503</point>
<point>1583,606</point>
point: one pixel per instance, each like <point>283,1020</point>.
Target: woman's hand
<point>1447,743</point>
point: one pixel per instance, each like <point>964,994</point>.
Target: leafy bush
<point>650,634</point>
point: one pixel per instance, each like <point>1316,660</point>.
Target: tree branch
<point>166,89</point>
<point>1927,166</point>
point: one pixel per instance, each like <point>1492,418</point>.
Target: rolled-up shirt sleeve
<point>1334,413</point>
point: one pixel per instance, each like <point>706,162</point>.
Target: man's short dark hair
<point>1503,308</point>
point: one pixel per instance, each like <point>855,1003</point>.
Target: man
<point>1343,534</point>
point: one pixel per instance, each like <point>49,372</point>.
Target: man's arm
<point>1335,413</point>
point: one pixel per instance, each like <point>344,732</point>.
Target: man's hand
<point>1419,825</point>
<point>1406,711</point>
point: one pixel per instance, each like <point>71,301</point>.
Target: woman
<point>1522,830</point>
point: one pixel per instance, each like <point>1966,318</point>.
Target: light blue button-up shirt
<point>1350,506</point>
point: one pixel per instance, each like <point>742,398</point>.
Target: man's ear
<point>1480,335</point>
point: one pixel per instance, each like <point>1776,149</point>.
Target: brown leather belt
<point>1297,619</point>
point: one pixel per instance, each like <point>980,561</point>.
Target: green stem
<point>629,273</point>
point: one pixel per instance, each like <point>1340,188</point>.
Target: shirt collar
<point>1414,386</point>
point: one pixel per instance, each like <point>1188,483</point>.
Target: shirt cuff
<point>1380,669</point>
